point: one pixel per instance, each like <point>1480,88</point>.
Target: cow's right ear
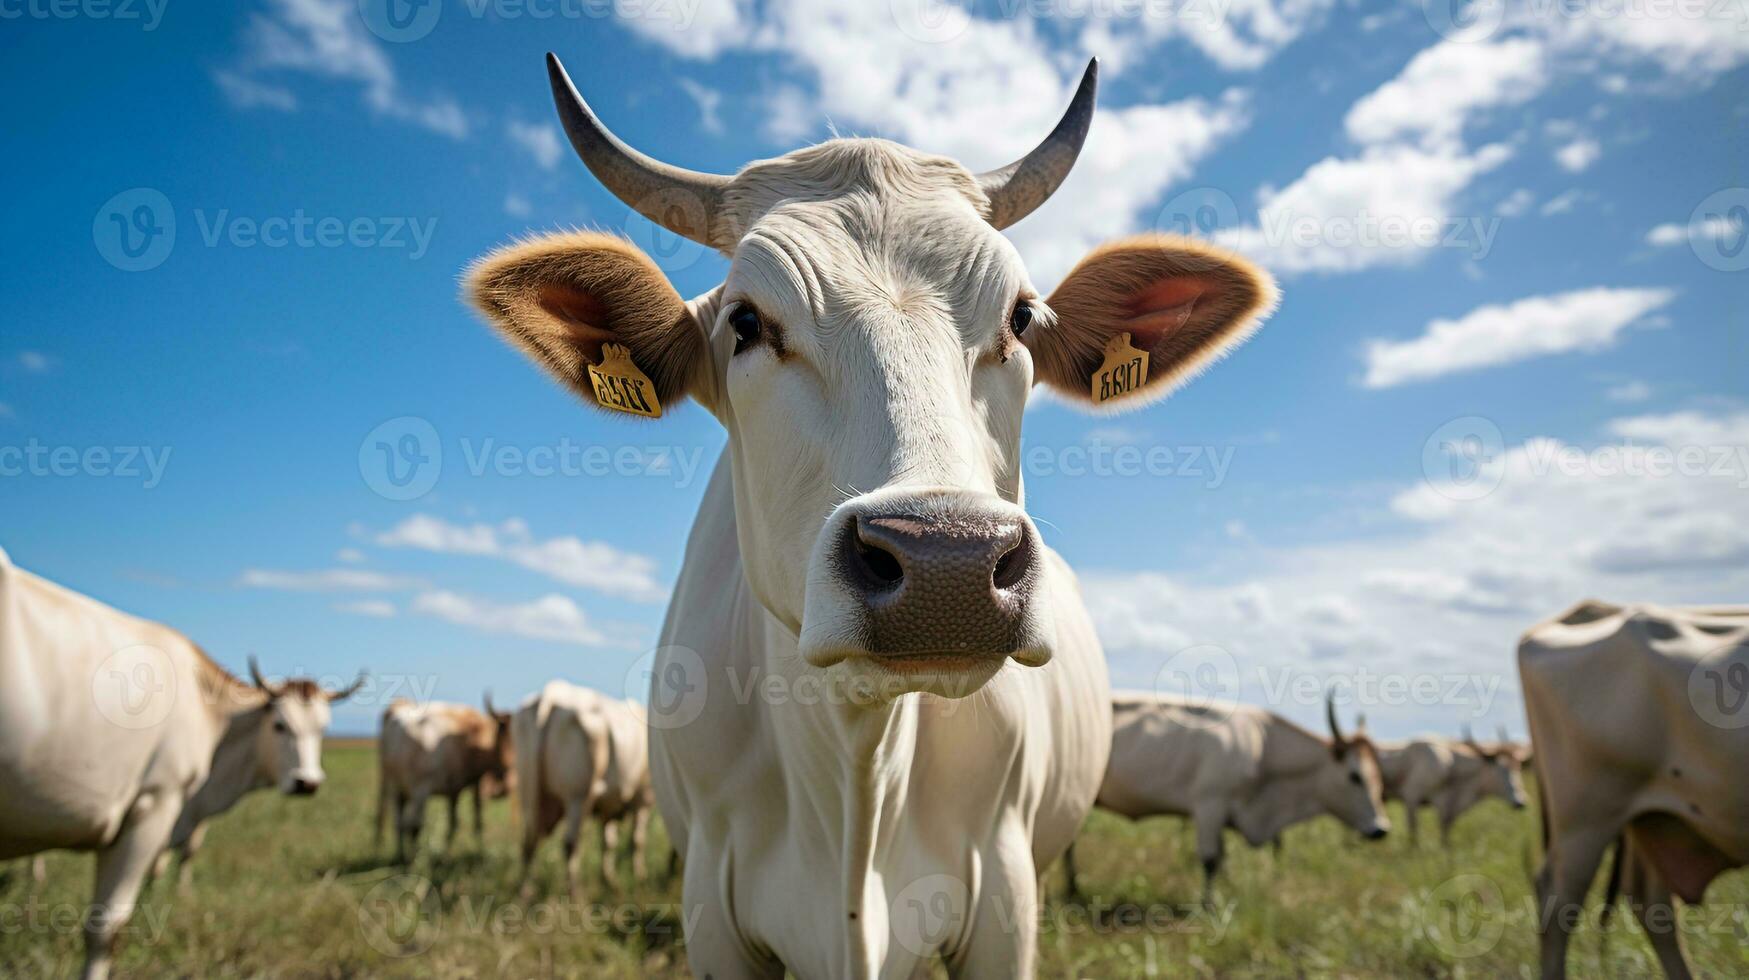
<point>563,297</point>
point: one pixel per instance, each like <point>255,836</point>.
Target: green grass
<point>293,887</point>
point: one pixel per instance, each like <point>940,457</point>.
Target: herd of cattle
<point>936,718</point>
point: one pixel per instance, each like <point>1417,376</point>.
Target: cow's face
<point>1353,790</point>
<point>870,354</point>
<point>293,722</point>
<point>1503,775</point>
<point>500,777</point>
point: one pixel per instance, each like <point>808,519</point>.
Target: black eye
<point>279,726</point>
<point>1020,319</point>
<point>1354,777</point>
<point>744,320</point>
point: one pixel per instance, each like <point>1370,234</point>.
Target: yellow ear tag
<point>619,384</point>
<point>1125,370</point>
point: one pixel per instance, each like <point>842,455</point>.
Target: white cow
<point>879,705</point>
<point>1449,775</point>
<point>439,749</point>
<point>1235,765</point>
<point>119,735</point>
<point>1640,718</point>
<point>582,754</point>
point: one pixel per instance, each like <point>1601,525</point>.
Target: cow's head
<point>1351,786</point>
<point>500,776</point>
<point>1502,769</point>
<point>870,354</point>
<point>289,744</point>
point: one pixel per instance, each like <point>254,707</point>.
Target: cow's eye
<point>744,320</point>
<point>279,726</point>
<point>1354,777</point>
<point>1021,318</point>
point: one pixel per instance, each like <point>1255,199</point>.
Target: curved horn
<point>1470,737</point>
<point>685,202</point>
<point>1330,716</point>
<point>1019,188</point>
<point>488,699</point>
<point>261,682</point>
<point>342,695</point>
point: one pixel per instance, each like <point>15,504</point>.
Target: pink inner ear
<point>584,317</point>
<point>1163,308</point>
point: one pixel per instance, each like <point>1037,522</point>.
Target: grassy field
<point>294,888</point>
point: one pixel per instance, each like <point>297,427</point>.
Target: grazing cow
<point>1641,727</point>
<point>862,560</point>
<point>120,736</point>
<point>1234,765</point>
<point>1451,776</point>
<point>439,749</point>
<point>582,754</point>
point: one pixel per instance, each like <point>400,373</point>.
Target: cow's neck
<point>1293,760</point>
<point>236,764</point>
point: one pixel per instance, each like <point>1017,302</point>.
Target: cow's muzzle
<point>932,583</point>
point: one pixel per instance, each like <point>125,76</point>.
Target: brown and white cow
<point>862,560</point>
<point>1235,765</point>
<point>582,755</point>
<point>1449,775</point>
<point>443,750</point>
<point>119,735</point>
<point>1640,718</point>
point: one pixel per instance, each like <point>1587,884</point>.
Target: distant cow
<point>1449,775</point>
<point>1233,765</point>
<point>1641,727</point>
<point>582,754</point>
<point>442,750</point>
<point>119,735</point>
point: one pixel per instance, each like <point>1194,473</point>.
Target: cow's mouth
<point>937,663</point>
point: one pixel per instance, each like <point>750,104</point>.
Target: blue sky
<point>1421,454</point>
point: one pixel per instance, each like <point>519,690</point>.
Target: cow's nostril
<point>880,565</point>
<point>1012,566</point>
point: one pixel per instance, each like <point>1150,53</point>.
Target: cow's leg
<point>1073,880</point>
<point>713,948</point>
<point>388,802</point>
<point>411,822</point>
<point>455,822</point>
<point>573,830</point>
<point>1412,817</point>
<point>1004,936</point>
<point>610,851</point>
<point>1655,908</point>
<point>121,870</point>
<point>1211,822</point>
<point>640,838</point>
<point>39,869</point>
<point>479,818</point>
<point>1568,868</point>
<point>185,854</point>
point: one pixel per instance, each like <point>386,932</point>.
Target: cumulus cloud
<point>1578,155</point>
<point>1718,227</point>
<point>327,39</point>
<point>539,140</point>
<point>1441,89</point>
<point>550,617</point>
<point>593,565</point>
<point>1586,319</point>
<point>374,608</point>
<point>327,580</point>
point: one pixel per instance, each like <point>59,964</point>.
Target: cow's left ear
<point>1182,301</point>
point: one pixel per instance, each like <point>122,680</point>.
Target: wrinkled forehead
<point>858,226</point>
<point>303,711</point>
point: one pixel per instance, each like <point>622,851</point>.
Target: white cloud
<point>539,140</point>
<point>1716,228</point>
<point>1578,155</point>
<point>351,556</point>
<point>327,39</point>
<point>593,565</point>
<point>709,100</point>
<point>36,362</point>
<point>1691,42</point>
<point>550,617</point>
<point>1586,319</point>
<point>1444,87</point>
<point>1685,429</point>
<point>700,29</point>
<point>327,580</point>
<point>1515,203</point>
<point>247,93</point>
<point>517,206</point>
<point>374,608</point>
<point>1629,391</point>
<point>1561,203</point>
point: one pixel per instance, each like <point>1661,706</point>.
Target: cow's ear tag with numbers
<point>1125,370</point>
<point>619,384</point>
